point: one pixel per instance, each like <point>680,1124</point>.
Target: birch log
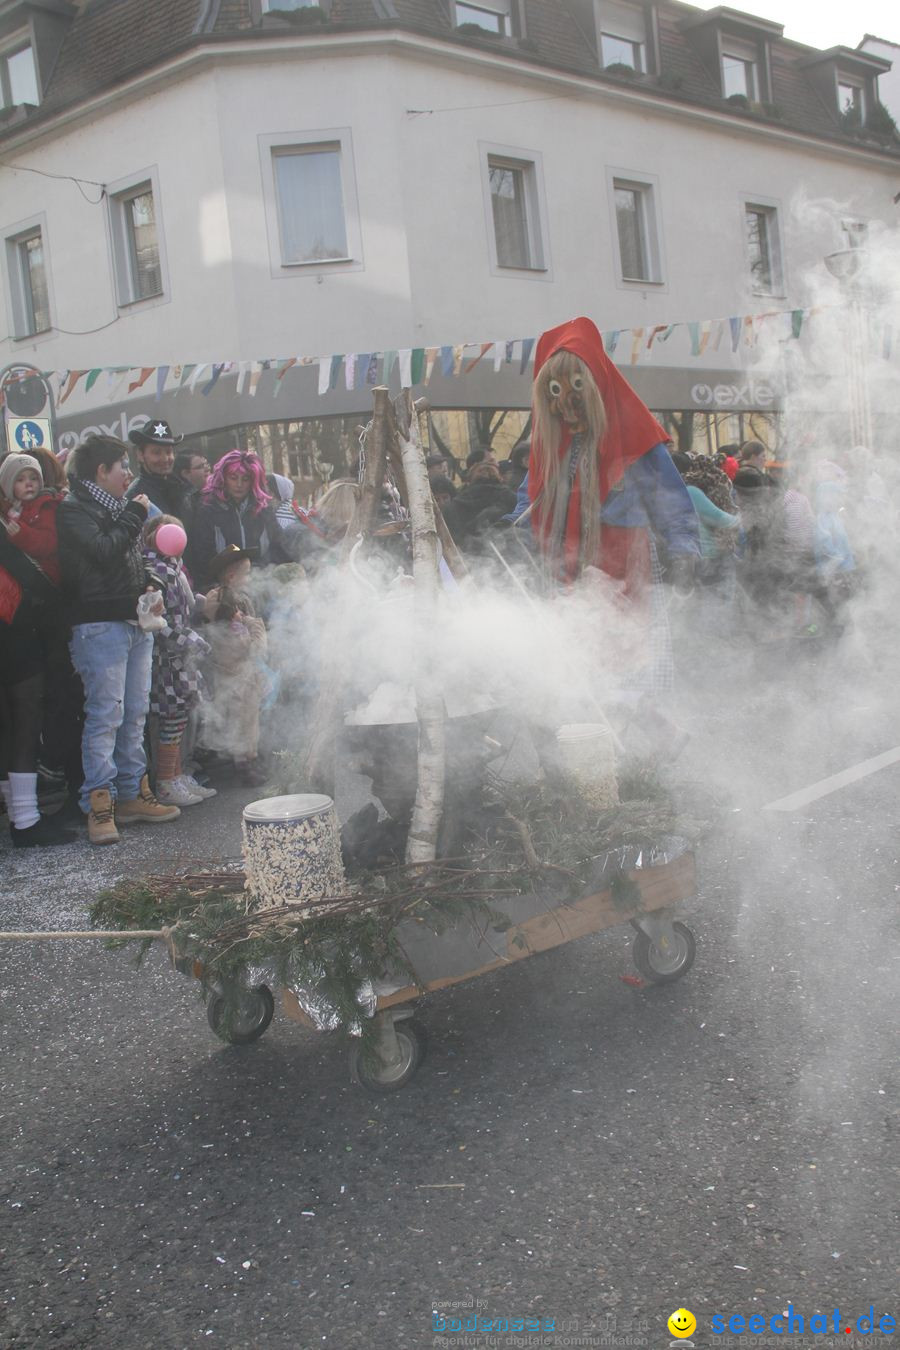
<point>319,761</point>
<point>426,818</point>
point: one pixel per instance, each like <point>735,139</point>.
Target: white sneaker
<point>172,792</point>
<point>193,786</point>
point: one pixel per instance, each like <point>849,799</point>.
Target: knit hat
<point>10,469</point>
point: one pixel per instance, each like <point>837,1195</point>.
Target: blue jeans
<point>114,662</point>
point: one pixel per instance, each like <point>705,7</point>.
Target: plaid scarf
<point>114,505</point>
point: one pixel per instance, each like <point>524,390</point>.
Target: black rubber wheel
<point>663,967</point>
<point>245,1020</point>
<point>367,1070</point>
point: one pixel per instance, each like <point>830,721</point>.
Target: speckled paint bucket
<point>292,849</point>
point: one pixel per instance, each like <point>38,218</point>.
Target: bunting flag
<point>73,376</point>
<point>214,379</point>
<point>705,330</point>
<point>484,347</point>
<point>416,365</point>
<point>146,372</point>
<point>362,369</point>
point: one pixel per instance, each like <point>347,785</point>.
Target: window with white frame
<point>309,195</point>
<point>514,211</point>
<point>636,228</point>
<point>623,35</point>
<point>18,74</point>
<point>494,15</point>
<point>311,218</point>
<point>27,276</point>
<point>763,248</point>
<point>851,101</point>
<point>740,70</point>
<point>136,242</point>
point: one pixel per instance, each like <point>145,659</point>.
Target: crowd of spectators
<point>124,659</point>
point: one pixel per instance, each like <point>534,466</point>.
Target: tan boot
<point>144,809</point>
<point>101,818</point>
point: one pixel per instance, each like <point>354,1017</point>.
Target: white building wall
<point>426,277</point>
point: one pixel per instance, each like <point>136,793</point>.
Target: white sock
<point>4,793</point>
<point>23,807</point>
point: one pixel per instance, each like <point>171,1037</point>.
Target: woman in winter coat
<point>29,609</point>
<point>235,508</point>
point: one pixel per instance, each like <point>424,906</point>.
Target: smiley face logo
<point>682,1323</point>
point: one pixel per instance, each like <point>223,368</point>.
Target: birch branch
<point>426,818</point>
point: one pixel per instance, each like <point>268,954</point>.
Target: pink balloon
<point>171,540</point>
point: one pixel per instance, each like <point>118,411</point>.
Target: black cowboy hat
<point>228,557</point>
<point>156,431</point>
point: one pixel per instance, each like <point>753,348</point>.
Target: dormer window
<point>851,101</point>
<point>494,16</point>
<point>623,35</point>
<point>18,75</point>
<point>740,70</point>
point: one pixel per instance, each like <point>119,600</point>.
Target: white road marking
<point>826,786</point>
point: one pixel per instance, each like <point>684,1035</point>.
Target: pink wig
<point>238,459</point>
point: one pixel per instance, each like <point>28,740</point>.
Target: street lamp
<point>845,266</point>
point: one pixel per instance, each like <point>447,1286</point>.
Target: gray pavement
<point>573,1149</point>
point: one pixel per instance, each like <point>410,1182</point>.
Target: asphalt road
<point>574,1149</point>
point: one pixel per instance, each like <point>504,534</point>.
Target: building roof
<point>109,41</point>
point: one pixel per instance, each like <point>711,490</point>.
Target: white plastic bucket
<point>587,759</point>
<point>292,849</point>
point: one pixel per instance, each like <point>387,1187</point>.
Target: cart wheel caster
<point>662,965</point>
<point>369,1070</point>
<point>248,1017</point>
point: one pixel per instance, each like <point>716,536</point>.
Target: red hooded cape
<point>631,429</point>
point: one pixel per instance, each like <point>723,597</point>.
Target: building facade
<point>218,183</point>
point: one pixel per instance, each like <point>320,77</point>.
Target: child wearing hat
<point>237,638</point>
<point>29,513</point>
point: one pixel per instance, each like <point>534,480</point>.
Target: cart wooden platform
<point>663,951</point>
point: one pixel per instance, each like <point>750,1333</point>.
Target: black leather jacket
<point>167,492</point>
<point>102,563</point>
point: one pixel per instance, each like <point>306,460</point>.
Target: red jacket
<point>36,534</point>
